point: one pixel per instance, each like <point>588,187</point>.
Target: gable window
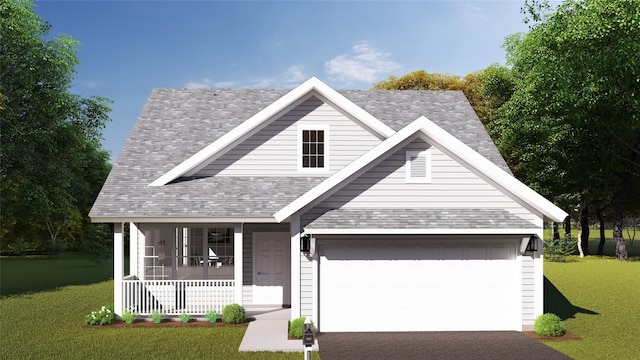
<point>418,166</point>
<point>313,148</point>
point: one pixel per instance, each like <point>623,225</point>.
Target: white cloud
<point>364,64</point>
<point>295,74</point>
<point>470,11</point>
<point>208,83</point>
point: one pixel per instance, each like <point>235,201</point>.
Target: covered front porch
<point>198,267</point>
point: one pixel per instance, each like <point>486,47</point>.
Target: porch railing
<point>173,297</point>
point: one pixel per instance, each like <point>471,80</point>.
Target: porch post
<point>238,252</point>
<point>295,266</point>
<point>118,269</point>
<point>133,249</point>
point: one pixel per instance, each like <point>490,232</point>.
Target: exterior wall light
<point>532,246</point>
<point>305,244</point>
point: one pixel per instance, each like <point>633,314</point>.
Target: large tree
<point>52,161</point>
<point>572,127</point>
<point>486,89</point>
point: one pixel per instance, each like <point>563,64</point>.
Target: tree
<point>486,89</point>
<point>52,162</point>
<point>571,130</point>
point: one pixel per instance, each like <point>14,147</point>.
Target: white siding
<point>306,286</point>
<point>273,151</point>
<point>528,287</point>
<point>452,186</point>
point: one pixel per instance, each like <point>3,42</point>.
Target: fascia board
<point>447,142</point>
<point>252,124</point>
<point>350,107</point>
<point>181,219</point>
<point>348,171</point>
<point>423,231</point>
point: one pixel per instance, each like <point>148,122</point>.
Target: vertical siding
<point>452,186</point>
<point>279,140</point>
<point>247,255</point>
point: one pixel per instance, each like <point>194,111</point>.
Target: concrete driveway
<point>434,345</point>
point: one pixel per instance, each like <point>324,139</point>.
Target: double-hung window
<point>313,148</point>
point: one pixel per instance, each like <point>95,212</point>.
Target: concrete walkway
<point>268,331</point>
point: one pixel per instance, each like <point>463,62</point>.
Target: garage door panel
<point>456,288</point>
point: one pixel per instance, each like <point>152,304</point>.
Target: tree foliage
<point>52,161</point>
<point>571,130</point>
<point>486,89</point>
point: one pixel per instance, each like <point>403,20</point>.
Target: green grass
<point>41,318</point>
<point>598,299</point>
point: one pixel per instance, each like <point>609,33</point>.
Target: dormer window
<point>418,166</point>
<point>313,149</point>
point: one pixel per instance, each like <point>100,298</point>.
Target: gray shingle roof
<point>418,219</point>
<point>176,123</point>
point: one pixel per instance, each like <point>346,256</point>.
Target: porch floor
<point>268,331</point>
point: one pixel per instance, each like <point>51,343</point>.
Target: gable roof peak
<point>249,127</point>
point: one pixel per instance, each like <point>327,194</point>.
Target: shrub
<point>233,314</point>
<point>212,316</point>
<point>296,327</point>
<point>128,316</point>
<point>549,325</point>
<point>184,317</point>
<point>103,316</point>
<point>557,249</point>
<point>157,316</point>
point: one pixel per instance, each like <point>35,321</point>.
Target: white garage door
<point>418,288</point>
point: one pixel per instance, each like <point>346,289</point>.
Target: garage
<point>416,285</point>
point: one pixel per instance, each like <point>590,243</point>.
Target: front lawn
<point>45,321</point>
<point>598,299</point>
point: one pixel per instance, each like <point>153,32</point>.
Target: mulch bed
<point>566,336</point>
<point>166,323</point>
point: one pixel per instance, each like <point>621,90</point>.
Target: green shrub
<point>184,317</point>
<point>557,249</point>
<point>549,325</point>
<point>296,327</point>
<point>103,316</point>
<point>128,316</point>
<point>157,316</point>
<point>233,314</point>
<point>212,316</point>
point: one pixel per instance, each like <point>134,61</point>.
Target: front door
<point>271,268</point>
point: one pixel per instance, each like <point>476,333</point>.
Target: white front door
<point>271,268</point>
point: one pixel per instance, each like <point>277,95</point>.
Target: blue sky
<point>131,47</point>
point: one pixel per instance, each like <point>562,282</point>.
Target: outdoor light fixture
<point>533,243</point>
<point>305,244</point>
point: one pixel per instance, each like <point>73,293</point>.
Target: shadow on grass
<point>31,274</point>
<point>555,302</point>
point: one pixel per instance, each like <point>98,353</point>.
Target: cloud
<point>208,83</point>
<point>295,74</point>
<point>89,84</point>
<point>470,11</point>
<point>364,64</point>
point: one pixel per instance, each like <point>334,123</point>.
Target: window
<point>313,149</point>
<point>418,166</point>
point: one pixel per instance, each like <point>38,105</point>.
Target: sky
<point>130,47</point>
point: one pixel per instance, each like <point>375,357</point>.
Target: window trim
<point>327,143</point>
<point>418,154</point>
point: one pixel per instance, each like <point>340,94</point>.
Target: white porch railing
<point>173,297</point>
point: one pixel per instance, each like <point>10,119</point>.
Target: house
<point>363,210</point>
